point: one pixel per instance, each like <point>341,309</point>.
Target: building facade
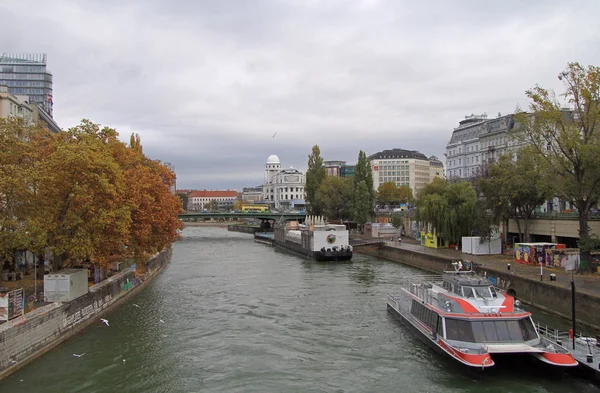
<point>15,106</point>
<point>333,168</point>
<point>283,188</point>
<point>436,168</point>
<point>252,194</point>
<point>26,75</point>
<point>200,199</point>
<point>347,170</point>
<point>403,167</point>
<point>477,142</point>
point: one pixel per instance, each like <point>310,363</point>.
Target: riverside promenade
<point>585,283</point>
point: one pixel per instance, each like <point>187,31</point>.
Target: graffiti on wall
<point>79,316</point>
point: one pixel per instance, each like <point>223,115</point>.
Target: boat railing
<point>583,343</point>
<point>551,333</point>
<point>418,285</point>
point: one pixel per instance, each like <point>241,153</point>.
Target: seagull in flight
<point>124,361</point>
<point>104,321</point>
<point>135,305</point>
<point>275,134</point>
<point>161,321</point>
<point>76,355</point>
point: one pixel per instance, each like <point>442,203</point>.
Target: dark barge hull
<point>331,256</point>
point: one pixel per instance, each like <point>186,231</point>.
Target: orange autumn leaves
<point>85,194</point>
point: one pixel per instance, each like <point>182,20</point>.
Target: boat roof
<point>469,279</point>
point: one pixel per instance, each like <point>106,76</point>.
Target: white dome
<point>273,159</point>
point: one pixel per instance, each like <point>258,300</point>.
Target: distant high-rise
<point>25,74</point>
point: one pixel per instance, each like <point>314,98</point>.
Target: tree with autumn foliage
<point>389,193</point>
<point>82,194</point>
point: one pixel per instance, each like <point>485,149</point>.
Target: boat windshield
<point>481,292</point>
<point>490,331</point>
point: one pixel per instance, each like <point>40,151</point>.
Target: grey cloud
<point>207,83</point>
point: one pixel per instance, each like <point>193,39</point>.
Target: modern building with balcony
<point>25,74</point>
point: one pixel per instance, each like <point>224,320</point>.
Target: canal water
<point>233,315</point>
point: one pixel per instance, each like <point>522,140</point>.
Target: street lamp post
<point>34,276</point>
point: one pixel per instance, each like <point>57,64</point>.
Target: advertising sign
<point>12,304</point>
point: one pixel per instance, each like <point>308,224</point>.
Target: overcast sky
<point>207,84</point>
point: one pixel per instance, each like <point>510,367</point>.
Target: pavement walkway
<point>584,283</point>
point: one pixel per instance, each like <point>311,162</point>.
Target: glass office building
<point>25,74</point>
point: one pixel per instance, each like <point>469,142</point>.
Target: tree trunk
<point>584,254</point>
<point>41,261</point>
<point>519,229</point>
<point>27,267</point>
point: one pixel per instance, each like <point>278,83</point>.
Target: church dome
<point>273,159</point>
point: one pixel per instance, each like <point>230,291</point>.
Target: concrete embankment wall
<point>541,294</point>
<point>27,337</point>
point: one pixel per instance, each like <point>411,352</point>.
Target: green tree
<point>397,219</point>
<point>516,187</point>
<point>315,175</point>
<point>184,200</point>
<point>568,141</point>
<point>362,205</point>
<point>450,210</point>
<point>334,196</point>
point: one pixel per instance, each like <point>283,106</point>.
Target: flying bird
<point>79,355</point>
<point>124,361</point>
<point>104,321</point>
<point>275,134</point>
<point>135,305</point>
<point>161,321</point>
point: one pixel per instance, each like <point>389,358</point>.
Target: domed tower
<point>272,167</point>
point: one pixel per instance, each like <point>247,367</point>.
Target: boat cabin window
<point>483,292</point>
<point>490,331</point>
<point>447,285</point>
<point>426,315</point>
<point>467,292</point>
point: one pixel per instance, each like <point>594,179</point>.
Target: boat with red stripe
<point>462,315</point>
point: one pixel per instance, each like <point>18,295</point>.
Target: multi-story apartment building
<point>26,74</point>
<point>403,167</point>
<point>15,106</point>
<point>476,142</point>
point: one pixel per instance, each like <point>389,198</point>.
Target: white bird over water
<point>135,305</point>
<point>161,321</point>
<point>79,355</point>
<point>104,321</point>
<point>124,360</point>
